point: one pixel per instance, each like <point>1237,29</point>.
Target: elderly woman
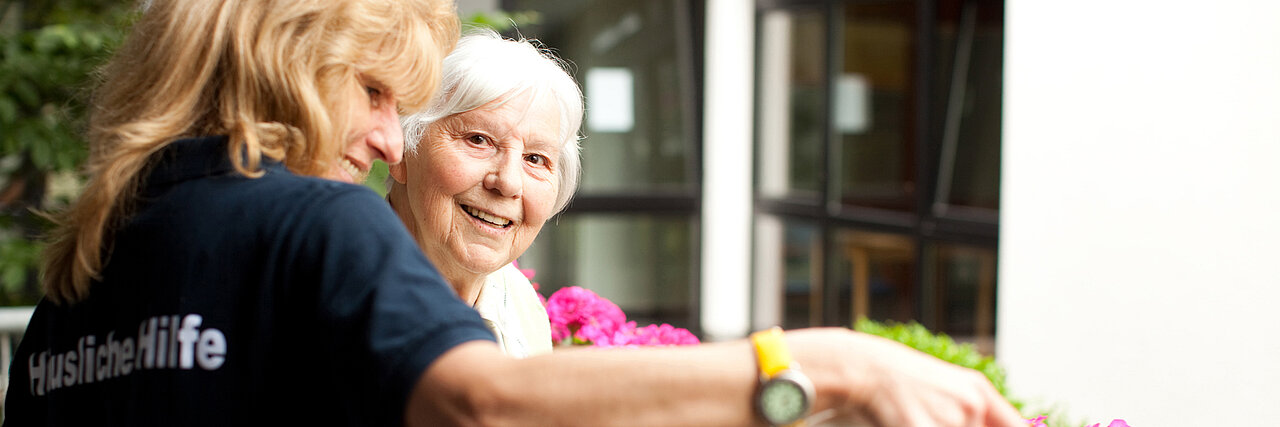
<point>491,159</point>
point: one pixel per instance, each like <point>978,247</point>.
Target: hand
<point>889,384</point>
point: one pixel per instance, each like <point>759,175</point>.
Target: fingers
<point>890,384</point>
<point>1000,413</point>
<point>984,406</point>
<point>921,390</point>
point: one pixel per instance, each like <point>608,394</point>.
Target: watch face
<point>782,401</point>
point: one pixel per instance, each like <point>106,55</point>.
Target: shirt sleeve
<point>389,308</point>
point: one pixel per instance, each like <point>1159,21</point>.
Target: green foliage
<point>48,52</point>
<point>377,179</point>
<point>501,21</point>
<point>16,258</point>
<point>44,74</point>
<point>941,346</point>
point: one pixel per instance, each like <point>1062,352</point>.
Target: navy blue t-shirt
<point>229,300</point>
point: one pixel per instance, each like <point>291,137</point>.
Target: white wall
<point>1139,236</point>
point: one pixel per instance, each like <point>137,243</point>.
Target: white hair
<point>486,67</point>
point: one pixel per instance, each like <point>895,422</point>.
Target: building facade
<point>794,163</point>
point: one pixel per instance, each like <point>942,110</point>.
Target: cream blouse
<point>511,309</point>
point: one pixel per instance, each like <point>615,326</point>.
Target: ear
<point>398,172</point>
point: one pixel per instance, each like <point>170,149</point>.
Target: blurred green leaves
<point>500,21</point>
<point>48,53</point>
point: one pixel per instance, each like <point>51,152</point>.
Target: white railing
<point>13,322</point>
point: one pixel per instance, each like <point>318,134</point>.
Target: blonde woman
<point>221,268</point>
<point>208,275</point>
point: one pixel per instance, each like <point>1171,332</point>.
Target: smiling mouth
<point>351,169</point>
<point>495,220</point>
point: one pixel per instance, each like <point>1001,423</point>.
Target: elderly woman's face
<point>482,184</point>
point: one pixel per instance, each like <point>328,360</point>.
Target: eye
<point>375,95</point>
<point>536,159</point>
<point>477,139</point>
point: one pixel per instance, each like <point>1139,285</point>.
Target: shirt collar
<point>192,158</point>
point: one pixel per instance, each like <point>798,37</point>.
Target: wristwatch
<point>785,394</point>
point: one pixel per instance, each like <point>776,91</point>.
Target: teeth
<point>351,169</point>
<point>484,216</point>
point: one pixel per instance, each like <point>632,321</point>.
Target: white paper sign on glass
<point>853,99</point>
<point>610,100</point>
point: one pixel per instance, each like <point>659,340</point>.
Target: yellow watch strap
<point>771,351</point>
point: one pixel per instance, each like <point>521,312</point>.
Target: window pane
<point>643,263</point>
<point>791,103</point>
<point>802,280</point>
<point>969,48</point>
<point>875,93</point>
<point>875,276</point>
<point>633,68</point>
<point>966,293</point>
<point>787,269</point>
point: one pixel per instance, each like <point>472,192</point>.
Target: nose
<point>387,138</point>
<point>506,178</point>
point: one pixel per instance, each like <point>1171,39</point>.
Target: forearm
<point>710,384</point>
<point>860,376</point>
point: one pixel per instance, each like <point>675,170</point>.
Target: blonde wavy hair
<point>272,75</point>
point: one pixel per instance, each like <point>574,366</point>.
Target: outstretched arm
<point>858,376</point>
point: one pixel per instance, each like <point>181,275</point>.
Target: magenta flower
<point>620,337</point>
<point>580,317</point>
<point>663,335</point>
<point>628,335</point>
<point>1114,423</point>
<point>1037,421</point>
<point>580,314</point>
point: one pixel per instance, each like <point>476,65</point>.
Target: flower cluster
<point>1114,423</point>
<point>1039,422</point>
<point>580,317</point>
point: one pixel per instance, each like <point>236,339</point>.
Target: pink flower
<point>1114,423</point>
<point>618,338</point>
<point>1037,421</point>
<point>653,335</point>
<point>581,314</point>
<point>581,317</point>
<point>663,335</point>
